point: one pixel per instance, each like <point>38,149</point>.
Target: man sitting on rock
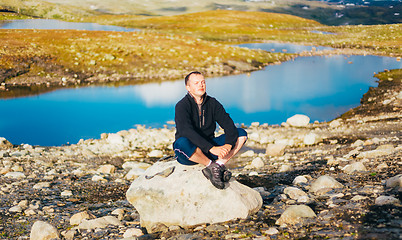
<point>196,115</point>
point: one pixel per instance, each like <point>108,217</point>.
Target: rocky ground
<point>61,186</point>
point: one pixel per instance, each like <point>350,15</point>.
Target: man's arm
<point>226,122</point>
<point>186,128</point>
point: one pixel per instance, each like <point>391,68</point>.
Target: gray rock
<point>285,168</point>
<point>336,123</point>
<point>4,144</point>
<point>325,182</point>
<point>77,218</point>
<point>384,200</point>
<point>294,193</point>
<point>298,120</point>
<point>186,197</point>
<point>16,175</point>
<point>43,231</point>
<point>102,222</point>
<point>241,66</point>
<point>354,167</point>
<point>395,181</point>
<point>300,180</point>
<point>295,214</point>
<point>383,150</point>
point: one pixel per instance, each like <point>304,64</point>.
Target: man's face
<point>196,85</point>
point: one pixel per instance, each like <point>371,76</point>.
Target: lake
<point>321,87</point>
<point>56,24</point>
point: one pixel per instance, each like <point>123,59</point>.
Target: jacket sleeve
<point>226,122</point>
<point>186,129</point>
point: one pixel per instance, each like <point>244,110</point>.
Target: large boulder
<point>173,194</point>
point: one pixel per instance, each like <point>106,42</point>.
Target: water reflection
<point>283,47</point>
<point>56,24</point>
<point>320,87</point>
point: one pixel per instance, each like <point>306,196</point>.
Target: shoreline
<point>42,85</point>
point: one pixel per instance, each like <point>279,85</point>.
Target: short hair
<point>188,76</point>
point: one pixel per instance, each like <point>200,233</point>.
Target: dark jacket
<point>200,128</point>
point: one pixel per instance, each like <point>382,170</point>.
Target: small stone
<point>257,163</point>
<point>133,232</point>
<point>310,139</point>
<point>276,149</point>
<point>66,193</point>
<point>285,168</point>
<point>108,169</point>
<point>299,180</point>
<point>15,175</point>
<point>354,167</point>
<point>386,200</point>
<point>43,230</point>
<point>295,214</point>
<point>249,153</point>
<point>41,185</point>
<point>325,182</point>
<point>395,181</point>
<point>155,154</point>
<point>271,231</point>
<point>15,209</point>
<point>294,193</point>
<point>77,218</point>
<point>97,178</point>
<point>336,123</point>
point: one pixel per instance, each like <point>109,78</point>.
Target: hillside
<point>325,12</point>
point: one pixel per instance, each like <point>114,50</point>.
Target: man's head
<point>195,84</point>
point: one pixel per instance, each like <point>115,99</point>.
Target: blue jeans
<point>184,148</point>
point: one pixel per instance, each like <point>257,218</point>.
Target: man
<point>196,115</point>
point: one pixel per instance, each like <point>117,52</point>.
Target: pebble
<point>384,200</point>
<point>42,230</point>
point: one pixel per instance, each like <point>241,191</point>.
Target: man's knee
<point>184,149</point>
<point>242,132</point>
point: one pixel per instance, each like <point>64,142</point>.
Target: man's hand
<point>221,151</point>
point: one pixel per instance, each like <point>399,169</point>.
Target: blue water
<point>283,47</point>
<point>56,24</point>
<point>320,87</point>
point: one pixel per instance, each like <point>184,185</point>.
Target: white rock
<point>383,150</point>
<point>132,165</point>
<point>134,173</point>
<point>310,139</point>
<point>97,178</point>
<point>294,193</point>
<point>354,167</point>
<point>336,123</point>
<point>108,169</point>
<point>41,185</point>
<point>102,222</point>
<point>15,175</point>
<point>382,166</point>
<point>295,214</point>
<point>298,120</point>
<point>77,218</point>
<point>249,153</point>
<point>299,180</point>
<point>156,154</point>
<point>358,143</point>
<point>15,209</point>
<point>257,163</point>
<point>66,193</point>
<point>384,200</point>
<point>276,149</point>
<point>358,198</point>
<point>115,139</point>
<point>43,231</point>
<point>133,232</point>
<point>271,231</point>
<point>175,194</point>
<point>253,173</point>
<point>285,168</point>
<point>395,181</point>
<point>325,182</point>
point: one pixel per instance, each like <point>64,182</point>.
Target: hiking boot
<point>214,173</point>
<point>226,174</point>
